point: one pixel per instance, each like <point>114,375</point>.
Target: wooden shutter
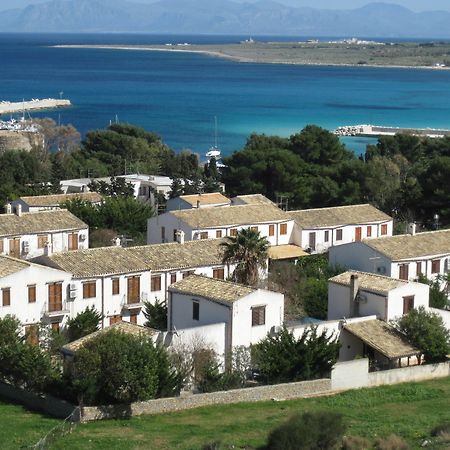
<point>42,240</point>
<point>14,248</point>
<point>155,283</point>
<point>55,297</point>
<point>89,290</point>
<point>369,231</point>
<point>383,230</point>
<point>204,235</point>
<point>134,290</point>
<point>218,234</point>
<point>358,233</point>
<point>115,319</point>
<point>32,334</point>
<point>404,272</point>
<point>32,294</point>
<point>233,232</point>
<point>254,228</point>
<point>173,278</point>
<point>339,234</point>
<point>271,230</point>
<point>408,304</point>
<point>219,274</point>
<point>115,286</point>
<point>2,247</point>
<point>258,316</point>
<point>327,236</point>
<point>133,318</point>
<point>312,240</point>
<point>283,228</point>
<point>6,297</point>
<point>419,268</point>
<point>73,241</point>
<point>436,266</point>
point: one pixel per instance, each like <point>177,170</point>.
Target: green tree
<point>426,331</point>
<point>83,323</point>
<point>438,296</point>
<point>156,315</point>
<point>117,187</point>
<point>249,251</point>
<point>281,358</point>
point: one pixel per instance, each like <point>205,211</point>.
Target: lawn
<point>408,410</point>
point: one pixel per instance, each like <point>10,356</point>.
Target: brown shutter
<point>218,234</point>
<point>283,228</point>
<point>32,294</point>
<point>271,230</point>
<point>115,286</point>
<point>6,297</point>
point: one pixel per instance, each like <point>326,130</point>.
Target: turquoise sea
<point>177,95</point>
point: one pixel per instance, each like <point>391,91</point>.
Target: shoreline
<point>245,60</point>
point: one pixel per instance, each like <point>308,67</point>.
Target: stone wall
<point>164,405</point>
<point>14,140</point>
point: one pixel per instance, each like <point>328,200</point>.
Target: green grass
<point>408,410</point>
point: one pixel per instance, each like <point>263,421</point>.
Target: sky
<point>416,5</point>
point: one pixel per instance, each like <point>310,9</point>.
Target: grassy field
<point>408,410</point>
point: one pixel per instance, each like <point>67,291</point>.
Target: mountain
<point>223,17</point>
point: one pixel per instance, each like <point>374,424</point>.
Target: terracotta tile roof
<point>58,199</point>
<point>286,252</point>
<point>39,222</point>
<point>123,327</point>
<point>9,265</point>
<point>253,199</point>
<point>406,246</point>
<point>234,215</point>
<point>211,288</point>
<point>214,198</point>
<point>382,337</point>
<point>204,252</point>
<point>369,281</point>
<point>338,216</point>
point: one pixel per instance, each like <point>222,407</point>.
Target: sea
<point>180,95</point>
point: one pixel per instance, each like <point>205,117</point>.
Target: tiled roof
<point>214,198</point>
<point>382,337</point>
<point>253,199</point>
<point>406,246</point>
<point>204,252</point>
<point>339,215</point>
<point>39,222</point>
<point>211,288</point>
<point>58,199</point>
<point>8,266</point>
<point>369,281</point>
<point>123,327</point>
<point>288,251</point>
<point>234,215</point>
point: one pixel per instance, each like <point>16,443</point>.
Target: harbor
<point>32,105</point>
<point>378,131</point>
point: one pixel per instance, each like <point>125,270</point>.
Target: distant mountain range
<point>224,17</point>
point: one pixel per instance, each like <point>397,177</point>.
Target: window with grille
<point>90,289</point>
<point>258,315</point>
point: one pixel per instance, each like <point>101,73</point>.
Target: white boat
<point>214,151</point>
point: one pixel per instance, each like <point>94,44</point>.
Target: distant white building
<point>210,200</point>
<point>359,294</point>
<point>319,229</point>
<point>50,202</point>
<point>34,294</point>
<point>28,235</point>
<point>403,256</point>
<point>248,313</point>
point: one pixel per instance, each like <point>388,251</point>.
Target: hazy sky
<point>417,5</point>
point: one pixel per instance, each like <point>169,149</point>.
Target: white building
<point>209,200</point>
<point>49,202</point>
<point>34,294</point>
<point>359,294</point>
<point>319,229</point>
<point>403,256</point>
<point>248,313</point>
<point>117,281</point>
<point>28,235</point>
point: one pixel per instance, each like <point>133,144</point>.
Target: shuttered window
<point>55,297</point>
<point>6,296</point>
<point>73,241</point>
<point>369,231</point>
<point>404,272</point>
<point>219,274</point>
<point>134,290</point>
<point>42,240</point>
<point>173,278</point>
<point>155,283</point>
<point>133,318</point>
<point>233,232</point>
<point>204,235</point>
<point>283,228</point>
<point>339,234</point>
<point>419,268</point>
<point>271,230</point>
<point>327,236</point>
<point>383,230</point>
<point>32,293</point>
<point>195,311</point>
<point>115,286</point>
<point>90,290</point>
<point>436,266</point>
<point>258,316</point>
<point>114,319</point>
<point>32,334</point>
<point>408,304</point>
<point>218,234</point>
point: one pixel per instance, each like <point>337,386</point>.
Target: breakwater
<point>34,104</point>
<point>377,131</point>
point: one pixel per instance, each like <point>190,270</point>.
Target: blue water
<point>177,95</point>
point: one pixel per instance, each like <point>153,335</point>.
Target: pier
<point>31,105</point>
<point>378,131</point>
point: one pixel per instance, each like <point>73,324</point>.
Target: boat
<point>214,151</point>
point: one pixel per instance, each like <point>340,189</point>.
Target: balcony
<point>54,310</point>
<point>134,303</point>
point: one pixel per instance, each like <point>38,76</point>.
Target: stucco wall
<point>350,374</point>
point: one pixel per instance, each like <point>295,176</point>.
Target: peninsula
<point>341,53</point>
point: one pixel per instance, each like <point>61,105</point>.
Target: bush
<point>355,443</point>
<point>391,442</point>
<point>82,324</point>
<point>427,331</point>
<point>283,358</point>
<point>438,297</point>
<point>308,431</point>
<point>156,315</point>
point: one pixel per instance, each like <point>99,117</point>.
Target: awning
<point>383,338</point>
<point>286,252</point>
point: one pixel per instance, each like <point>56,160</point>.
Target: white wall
<point>170,223</point>
<point>421,293</point>
<point>444,314</point>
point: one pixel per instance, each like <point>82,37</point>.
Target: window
<point>55,327</point>
<point>384,230</point>
<point>327,236</point>
<point>32,334</point>
<point>408,304</point>
<point>339,234</point>
<point>204,235</point>
<point>419,268</point>
<point>115,286</point>
<point>42,240</point>
<point>173,278</point>
<point>233,232</point>
<point>73,241</point>
<point>115,319</point>
<point>134,290</point>
<point>6,297</point>
<point>283,228</point>
<point>219,274</point>
<point>133,318</point>
<point>218,234</point>
<point>312,240</point>
<point>55,297</point>
<point>187,274</point>
<point>14,247</point>
<point>89,289</point>
<point>436,266</point>
<point>195,310</point>
<point>163,234</point>
<point>258,315</point>
<point>358,234</point>
<point>369,231</point>
<point>254,228</point>
<point>32,293</point>
<point>404,272</point>
<point>271,230</point>
<point>156,283</point>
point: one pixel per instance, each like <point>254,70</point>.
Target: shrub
<point>83,323</point>
<point>308,431</point>
<point>355,443</point>
<point>156,315</point>
<point>438,296</point>
<point>391,442</point>
<point>441,429</point>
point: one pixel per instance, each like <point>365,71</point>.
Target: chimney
<point>354,301</point>
<point>116,242</point>
<point>180,236</point>
<point>8,208</point>
<point>198,204</point>
<point>48,249</point>
<point>412,228</point>
<point>19,210</point>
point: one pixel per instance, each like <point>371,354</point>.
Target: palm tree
<point>249,251</point>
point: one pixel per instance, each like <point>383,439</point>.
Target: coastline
<point>247,60</point>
